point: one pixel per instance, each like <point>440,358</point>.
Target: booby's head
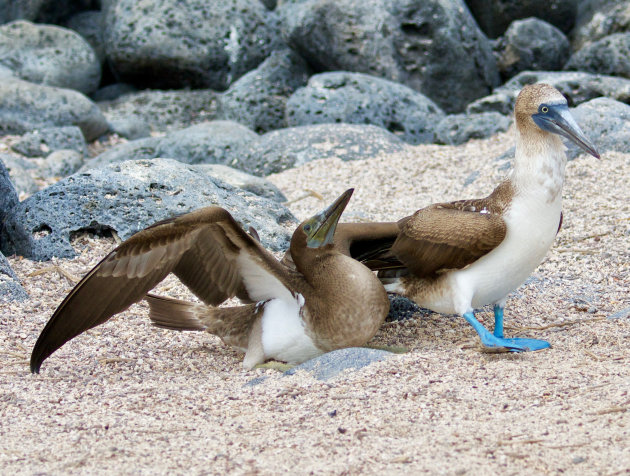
<point>319,230</point>
<point>542,108</point>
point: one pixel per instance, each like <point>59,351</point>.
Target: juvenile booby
<point>326,301</point>
<point>456,257</point>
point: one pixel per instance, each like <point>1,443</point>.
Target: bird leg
<point>496,342</point>
<point>498,321</point>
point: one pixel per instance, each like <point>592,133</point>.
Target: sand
<point>127,398</point>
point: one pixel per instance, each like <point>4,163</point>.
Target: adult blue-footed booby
<point>326,301</point>
<point>456,257</point>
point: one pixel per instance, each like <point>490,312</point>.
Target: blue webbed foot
<point>496,341</point>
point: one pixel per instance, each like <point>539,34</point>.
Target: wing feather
<point>440,237</point>
<point>202,248</point>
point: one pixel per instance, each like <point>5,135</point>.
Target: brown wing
<point>447,236</point>
<point>206,249</point>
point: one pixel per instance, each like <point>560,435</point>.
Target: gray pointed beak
<point>559,120</point>
<point>324,224</point>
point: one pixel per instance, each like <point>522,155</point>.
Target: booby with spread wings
<point>325,301</point>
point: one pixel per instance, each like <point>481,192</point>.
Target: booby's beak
<point>557,119</point>
<point>320,229</point>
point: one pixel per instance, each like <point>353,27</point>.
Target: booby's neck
<point>539,164</point>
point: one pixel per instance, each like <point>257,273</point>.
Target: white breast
<point>283,334</point>
<point>531,228</point>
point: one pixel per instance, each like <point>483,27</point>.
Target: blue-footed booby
<point>326,301</point>
<point>456,257</point>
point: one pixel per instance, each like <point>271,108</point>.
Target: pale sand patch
<point>128,398</point>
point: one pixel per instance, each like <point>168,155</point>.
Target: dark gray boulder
<point>42,142</point>
<point>50,55</point>
<point>8,194</point>
<point>494,16</point>
<point>597,19</point>
<point>138,149</point>
<point>163,110</point>
<point>531,44</point>
<point>24,9</point>
<point>128,197</point>
<point>286,148</point>
<point>195,43</point>
<point>113,91</point>
<point>610,55</point>
<point>10,287</point>
<point>256,185</point>
<point>61,163</point>
<point>434,47</point>
<point>357,98</point>
<point>26,106</point>
<point>90,26</point>
<point>131,127</point>
<point>606,122</point>
<point>331,364</point>
<point>578,87</point>
<point>501,102</point>
<point>459,128</point>
<point>19,170</point>
<point>258,99</point>
<point>43,11</point>
<point>215,142</point>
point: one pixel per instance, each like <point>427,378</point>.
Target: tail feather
<point>169,313</point>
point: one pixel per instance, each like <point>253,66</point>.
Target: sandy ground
<point>126,398</point>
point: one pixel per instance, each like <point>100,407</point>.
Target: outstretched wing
<point>206,249</point>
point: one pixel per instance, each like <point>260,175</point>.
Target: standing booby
<point>329,301</point>
<point>459,256</point>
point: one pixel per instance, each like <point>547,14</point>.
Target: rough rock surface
<point>456,129</point>
<point>531,44</point>
<point>258,99</point>
<point>18,169</point>
<point>597,19</point>
<point>413,43</point>
<point>196,43</point>
<point>42,142</point>
<point>358,98</point>
<point>44,11</point>
<point>237,178</point>
<point>215,142</point>
<point>607,122</point>
<point>287,148</point>
<point>494,16</point>
<point>49,55</point>
<point>163,110</point>
<point>26,106</point>
<point>610,55</point>
<point>127,198</point>
<point>578,87</point>
<point>10,287</point>
<point>8,195</point>
<point>90,26</point>
<point>61,163</point>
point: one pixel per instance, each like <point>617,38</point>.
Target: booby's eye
<point>544,109</point>
<point>307,228</point>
